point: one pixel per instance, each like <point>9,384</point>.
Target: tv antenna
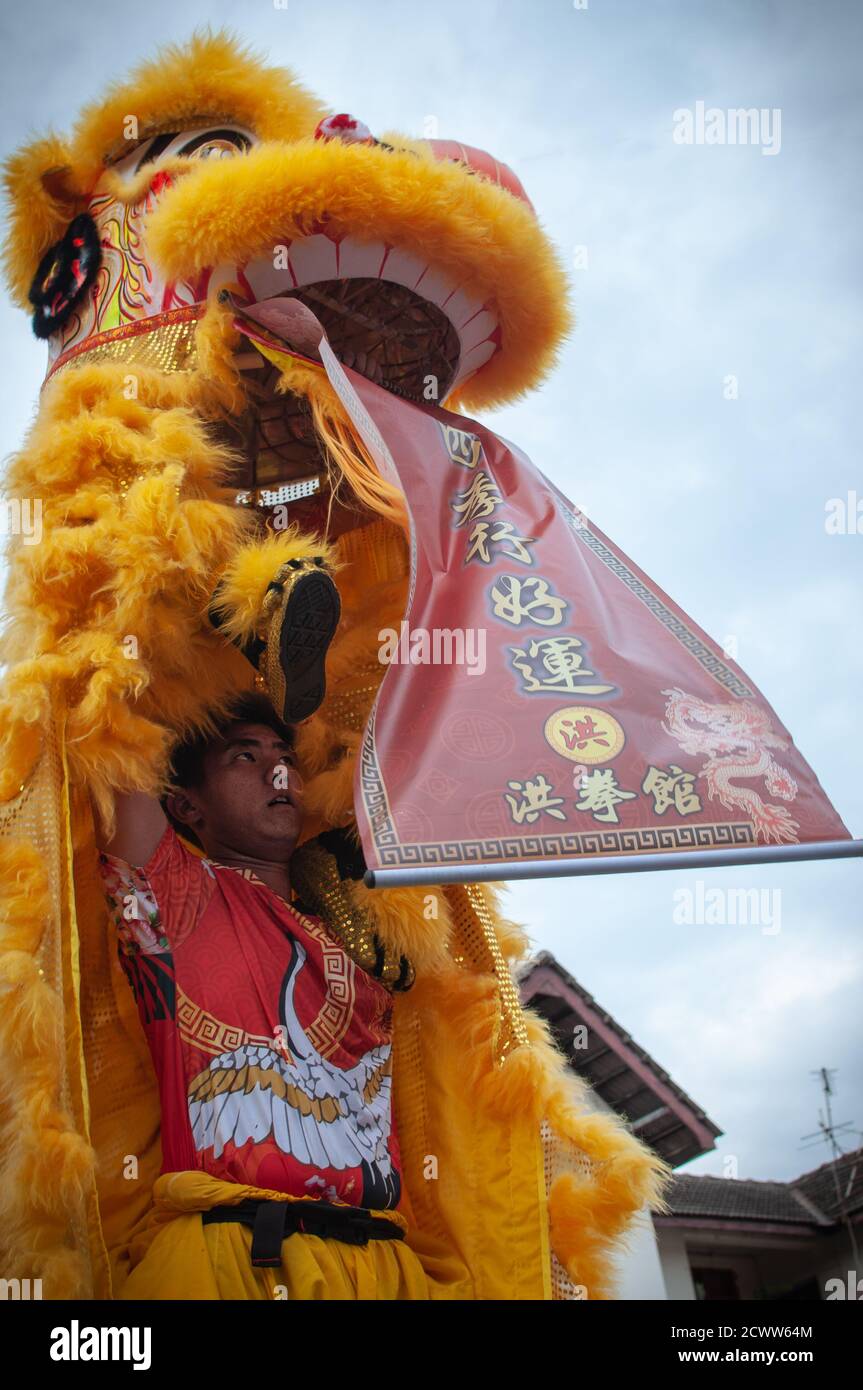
<point>827,1132</point>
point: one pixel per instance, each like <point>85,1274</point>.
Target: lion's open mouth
<point>383,330</point>
<point>275,434</point>
<point>395,317</point>
<point>387,333</point>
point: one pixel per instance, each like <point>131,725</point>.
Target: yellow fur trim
<point>131,189</point>
<point>245,580</point>
<point>314,741</point>
<point>216,341</point>
<point>329,797</point>
<point>212,76</point>
<point>231,210</point>
<point>400,920</point>
<point>102,604</point>
<point>350,462</point>
<point>235,210</point>
<point>590,1211</point>
<point>20,738</point>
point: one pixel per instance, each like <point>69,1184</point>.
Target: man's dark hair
<point>187,762</point>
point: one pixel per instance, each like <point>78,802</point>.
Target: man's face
<point>249,799</point>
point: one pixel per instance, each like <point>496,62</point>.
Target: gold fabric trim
<point>315,876</point>
<point>171,347</point>
<point>350,709</point>
<point>473,942</point>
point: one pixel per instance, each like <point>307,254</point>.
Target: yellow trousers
<point>175,1256</point>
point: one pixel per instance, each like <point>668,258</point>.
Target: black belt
<point>273,1222</point>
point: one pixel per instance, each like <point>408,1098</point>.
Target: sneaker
<point>301,611</point>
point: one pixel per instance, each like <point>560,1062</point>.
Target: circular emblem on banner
<point>486,817</point>
<point>584,734</point>
<point>478,735</point>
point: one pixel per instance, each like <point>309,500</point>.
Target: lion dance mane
<point>160,441</point>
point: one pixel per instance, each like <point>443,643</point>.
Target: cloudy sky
<point>691,264</point>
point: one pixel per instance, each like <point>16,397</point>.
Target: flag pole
<point>437,874</point>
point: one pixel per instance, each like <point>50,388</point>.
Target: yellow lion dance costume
<point>426,263</point>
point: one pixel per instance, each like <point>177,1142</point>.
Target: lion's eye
<point>152,149</point>
<point>204,142</point>
<point>215,144</point>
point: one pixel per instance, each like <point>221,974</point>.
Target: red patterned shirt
<point>272,1048</point>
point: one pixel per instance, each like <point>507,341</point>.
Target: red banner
<point>543,699</point>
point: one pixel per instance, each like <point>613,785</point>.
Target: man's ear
<point>183,807</point>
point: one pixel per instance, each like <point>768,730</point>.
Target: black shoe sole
<point>309,623</point>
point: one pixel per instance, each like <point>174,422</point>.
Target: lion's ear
<point>42,197</point>
<point>59,183</point>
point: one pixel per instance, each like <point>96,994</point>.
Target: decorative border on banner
<point>695,645</point>
<point>375,801</point>
<point>638,840</point>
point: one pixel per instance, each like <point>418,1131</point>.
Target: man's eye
<point>245,754</point>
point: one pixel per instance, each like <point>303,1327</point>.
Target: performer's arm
<point>140,825</point>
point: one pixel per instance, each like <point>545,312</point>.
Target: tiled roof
<point>735,1199</point>
<point>819,1186</point>
<point>810,1200</point>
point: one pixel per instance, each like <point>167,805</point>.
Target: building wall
<point>674,1262</point>
<point>637,1263</point>
<point>765,1266</point>
<point>826,1257</point>
<point>746,1265</point>
<point>639,1269</point>
<point>837,1262</point>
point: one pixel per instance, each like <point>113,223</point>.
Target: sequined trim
<point>561,1156</point>
<point>166,341</point>
<point>316,876</point>
<point>473,942</point>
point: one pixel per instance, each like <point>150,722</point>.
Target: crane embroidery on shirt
<point>322,1115</point>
